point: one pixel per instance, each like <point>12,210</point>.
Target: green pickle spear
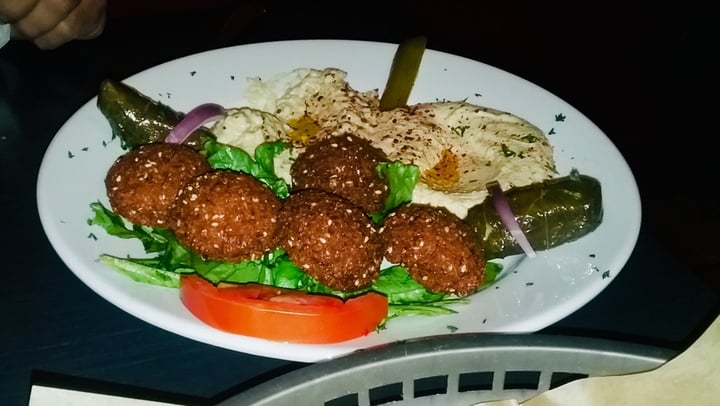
<point>137,119</point>
<point>403,72</point>
<point>550,213</point>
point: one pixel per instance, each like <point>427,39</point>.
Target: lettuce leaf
<point>261,165</point>
<point>402,179</point>
<point>171,260</point>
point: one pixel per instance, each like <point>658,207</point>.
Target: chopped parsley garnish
<point>459,130</point>
<point>529,138</point>
<point>507,151</point>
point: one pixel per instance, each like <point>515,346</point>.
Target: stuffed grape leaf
<point>549,213</point>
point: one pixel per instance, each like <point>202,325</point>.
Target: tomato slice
<point>282,314</point>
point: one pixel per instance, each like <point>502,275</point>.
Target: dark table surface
<point>647,78</point>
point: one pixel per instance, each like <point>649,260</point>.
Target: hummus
<point>458,147</point>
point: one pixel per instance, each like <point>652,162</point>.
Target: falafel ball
<point>141,184</point>
<point>331,239</point>
<point>437,248</point>
<point>344,165</point>
<point>226,216</point>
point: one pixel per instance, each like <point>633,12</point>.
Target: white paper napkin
<point>49,396</point>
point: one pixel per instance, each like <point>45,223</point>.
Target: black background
<point>647,76</point>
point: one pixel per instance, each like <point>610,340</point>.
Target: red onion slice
<point>193,120</point>
<point>502,206</point>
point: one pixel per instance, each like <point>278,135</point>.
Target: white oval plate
<point>531,293</point>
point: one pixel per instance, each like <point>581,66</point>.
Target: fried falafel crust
<point>141,184</point>
<point>331,239</point>
<point>226,216</point>
<point>437,248</point>
<point>344,165</point>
